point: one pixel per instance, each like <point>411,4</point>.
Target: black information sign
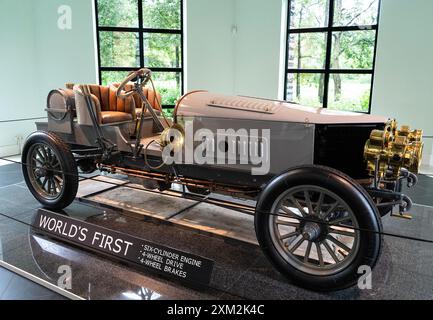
<point>164,260</point>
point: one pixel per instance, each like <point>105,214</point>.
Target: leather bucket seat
<point>109,109</point>
<point>153,97</point>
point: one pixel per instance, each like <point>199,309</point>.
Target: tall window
<point>133,34</point>
<point>331,53</point>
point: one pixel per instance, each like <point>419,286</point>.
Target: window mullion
<point>98,41</point>
<point>333,28</point>
<point>141,29</point>
<point>328,54</point>
<point>374,56</point>
<point>327,73</point>
<point>182,89</point>
<point>286,62</point>
<point>140,32</point>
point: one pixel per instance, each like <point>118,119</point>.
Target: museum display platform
<point>195,226</point>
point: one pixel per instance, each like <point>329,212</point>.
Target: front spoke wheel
<point>45,171</point>
<point>314,230</point>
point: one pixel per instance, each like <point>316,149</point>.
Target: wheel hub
<point>303,234</point>
<point>311,231</point>
<point>315,230</point>
<point>41,172</point>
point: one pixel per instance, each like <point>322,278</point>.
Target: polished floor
<point>16,287</point>
<point>241,271</point>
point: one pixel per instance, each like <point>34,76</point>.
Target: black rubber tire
<point>353,194</point>
<point>68,165</point>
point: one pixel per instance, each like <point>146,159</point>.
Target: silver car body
<point>292,126</point>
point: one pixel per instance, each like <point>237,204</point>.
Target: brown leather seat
<point>153,98</point>
<point>109,108</point>
<point>115,116</point>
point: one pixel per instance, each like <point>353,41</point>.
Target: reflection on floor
<point>423,192</point>
<point>241,271</point>
<point>426,170</point>
<point>8,160</point>
<point>15,287</point>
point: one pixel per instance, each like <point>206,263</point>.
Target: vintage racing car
<point>321,179</point>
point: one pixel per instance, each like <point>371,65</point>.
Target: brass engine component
<point>392,150</point>
<point>173,136</point>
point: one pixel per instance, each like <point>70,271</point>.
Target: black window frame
<point>328,71</point>
<point>141,31</point>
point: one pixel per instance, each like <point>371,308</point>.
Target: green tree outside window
<point>162,48</point>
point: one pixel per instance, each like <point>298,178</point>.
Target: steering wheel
<point>141,76</point>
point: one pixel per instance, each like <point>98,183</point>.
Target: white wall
<point>403,86</point>
<point>17,65</point>
<point>36,57</point>
<point>257,48</point>
<point>40,56</point>
<point>64,55</point>
<point>210,45</point>
<point>233,46</point>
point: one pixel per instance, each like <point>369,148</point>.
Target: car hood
<point>206,104</point>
